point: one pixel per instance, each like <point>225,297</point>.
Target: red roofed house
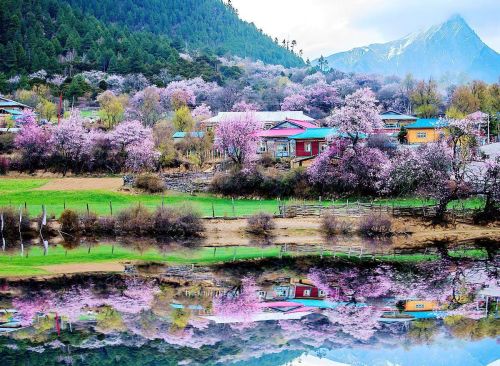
<point>276,140</point>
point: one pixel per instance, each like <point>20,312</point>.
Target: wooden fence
<point>358,209</point>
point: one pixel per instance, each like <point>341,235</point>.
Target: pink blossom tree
<point>295,102</point>
<point>133,146</point>
<point>322,96</point>
<point>243,106</point>
<point>359,115</point>
<point>342,168</point>
<point>127,133</point>
<point>70,143</point>
<point>141,156</point>
<point>237,137</point>
<point>29,307</point>
<point>145,106</point>
<point>32,140</point>
<point>239,306</point>
<point>201,112</point>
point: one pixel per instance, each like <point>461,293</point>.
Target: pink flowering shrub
<point>345,169</point>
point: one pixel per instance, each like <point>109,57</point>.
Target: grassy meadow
<point>36,262</point>
<point>20,192</point>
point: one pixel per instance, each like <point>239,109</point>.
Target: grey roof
<point>392,115</point>
<point>275,116</point>
<point>12,129</point>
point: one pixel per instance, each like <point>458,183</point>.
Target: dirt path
<point>82,184</point>
<point>306,230</point>
<point>83,268</point>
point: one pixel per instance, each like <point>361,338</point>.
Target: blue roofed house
<point>181,135</point>
<point>425,130</point>
<point>312,142</point>
<point>10,110</point>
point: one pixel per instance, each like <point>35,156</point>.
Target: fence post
<point>213,210</point>
<point>64,204</point>
<point>111,208</point>
<point>232,200</point>
<point>88,211</point>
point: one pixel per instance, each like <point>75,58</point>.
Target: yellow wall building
<point>424,130</point>
<point>420,305</point>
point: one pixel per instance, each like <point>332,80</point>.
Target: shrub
<point>134,220</point>
<point>70,221</point>
<point>270,184</point>
<point>149,183</point>
<point>11,222</point>
<point>88,222</point>
<point>267,160</point>
<point>4,165</point>
<point>331,225</point>
<point>177,223</point>
<point>375,225</point>
<point>260,224</point>
<point>6,143</point>
<point>105,225</point>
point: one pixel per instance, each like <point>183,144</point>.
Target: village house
<point>310,143</point>
<point>181,135</point>
<point>393,121</point>
<point>276,140</point>
<point>420,305</point>
<point>425,130</point>
<point>267,119</point>
<point>10,110</point>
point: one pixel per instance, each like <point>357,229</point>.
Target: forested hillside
<point>130,37</point>
<point>195,23</point>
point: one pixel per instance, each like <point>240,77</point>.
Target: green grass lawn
<point>13,264</point>
<point>31,264</point>
<point>18,192</point>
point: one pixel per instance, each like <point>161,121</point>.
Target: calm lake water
<point>289,311</point>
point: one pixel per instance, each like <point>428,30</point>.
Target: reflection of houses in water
<point>420,305</point>
<point>9,321</point>
<point>268,310</point>
<point>291,289</point>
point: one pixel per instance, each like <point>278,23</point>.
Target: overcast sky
<point>328,26</point>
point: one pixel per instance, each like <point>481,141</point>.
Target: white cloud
<point>328,26</point>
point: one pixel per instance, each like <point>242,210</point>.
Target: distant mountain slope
<point>196,23</point>
<point>451,49</point>
<point>133,36</point>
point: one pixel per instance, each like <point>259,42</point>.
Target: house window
<point>321,293</point>
<point>307,147</point>
<point>307,293</point>
<point>322,147</point>
<point>421,135</point>
<point>262,147</point>
<point>419,306</point>
<point>282,147</point>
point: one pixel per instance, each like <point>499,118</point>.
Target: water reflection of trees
<point>142,308</point>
